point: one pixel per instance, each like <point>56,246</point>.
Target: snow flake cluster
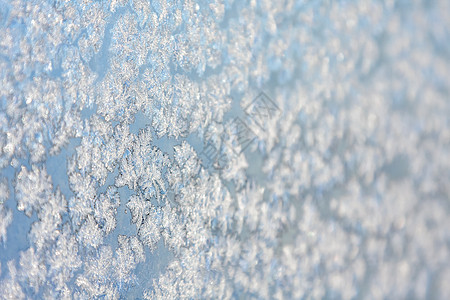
<point>116,118</point>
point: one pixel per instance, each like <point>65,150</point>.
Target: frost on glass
<point>224,149</point>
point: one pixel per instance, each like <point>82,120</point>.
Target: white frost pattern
<point>135,164</point>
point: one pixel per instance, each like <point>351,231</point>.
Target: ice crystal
<point>32,189</point>
<point>5,221</point>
